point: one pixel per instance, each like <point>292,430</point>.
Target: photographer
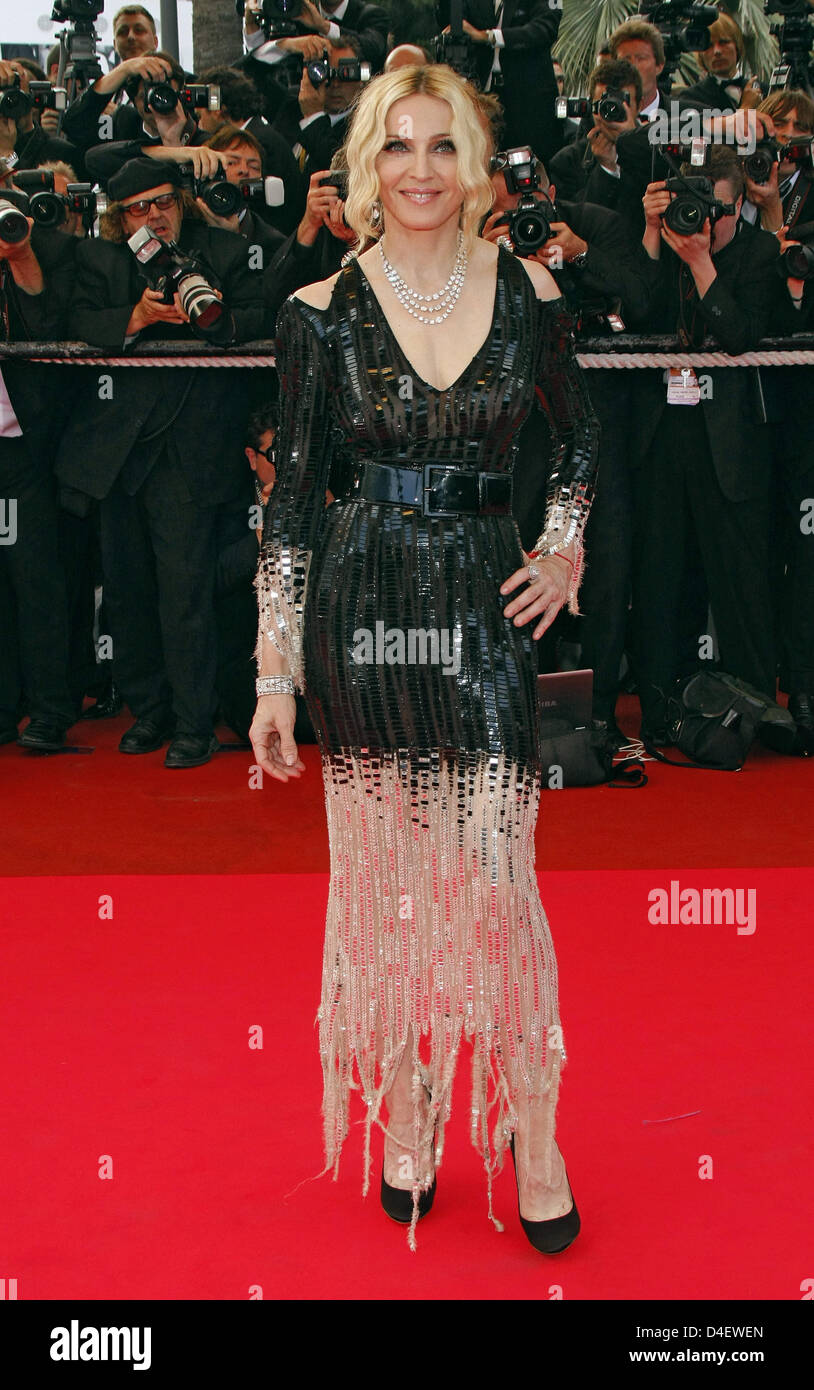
<point>35,272</point>
<point>784,204</point>
<point>19,132</point>
<point>315,251</point>
<point>332,21</point>
<point>316,120</point>
<point>725,88</point>
<point>242,164</point>
<point>240,107</point>
<point>589,167</point>
<point>601,270</point>
<point>702,448</point>
<point>161,449</point>
<point>512,44</point>
<point>169,127</point>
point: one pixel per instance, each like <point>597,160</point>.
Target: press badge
<point>682,386</point>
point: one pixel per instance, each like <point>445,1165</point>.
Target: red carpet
<point>127,1037</point>
<point>102,812</point>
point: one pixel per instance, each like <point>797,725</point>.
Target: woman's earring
<point>376,213</point>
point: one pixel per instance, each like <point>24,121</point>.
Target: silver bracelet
<point>274,685</point>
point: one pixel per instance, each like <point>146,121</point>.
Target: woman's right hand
<point>272,737</point>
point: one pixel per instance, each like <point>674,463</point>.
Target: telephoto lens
<point>198,300</point>
<point>222,198</point>
<point>48,209</point>
<point>759,164</point>
<point>13,223</point>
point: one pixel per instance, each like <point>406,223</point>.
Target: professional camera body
<point>171,271</point>
<point>337,180</point>
<point>78,63</point>
<point>275,17</point>
<point>611,107</point>
<point>162,98</point>
<point>224,198</point>
<point>758,165</point>
<point>456,48</point>
<point>347,70</point>
<point>45,97</point>
<point>529,223</point>
<point>50,209</point>
<point>694,201</point>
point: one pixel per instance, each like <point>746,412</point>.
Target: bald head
<point>407,55</point>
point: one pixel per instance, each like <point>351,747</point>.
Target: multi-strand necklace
<point>429,308</point>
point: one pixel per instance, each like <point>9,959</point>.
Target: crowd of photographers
<point>148,203</point>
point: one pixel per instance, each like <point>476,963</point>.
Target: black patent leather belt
<point>436,489</point>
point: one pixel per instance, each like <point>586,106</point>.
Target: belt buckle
<point>494,493</point>
<point>428,487</point>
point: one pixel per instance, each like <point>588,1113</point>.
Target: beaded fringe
<point>435,933</point>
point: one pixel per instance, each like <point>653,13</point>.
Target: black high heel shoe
<point>554,1236</point>
<point>398,1201</point>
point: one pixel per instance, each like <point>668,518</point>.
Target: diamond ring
<point>533,572</point>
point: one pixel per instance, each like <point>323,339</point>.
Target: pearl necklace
<point>442,303</point>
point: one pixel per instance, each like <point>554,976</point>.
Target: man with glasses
<point>160,448</point>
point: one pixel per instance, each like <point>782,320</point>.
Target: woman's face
<point>418,166</point>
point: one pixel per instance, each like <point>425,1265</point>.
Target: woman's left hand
<point>542,597</point>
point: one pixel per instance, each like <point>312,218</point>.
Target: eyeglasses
<point>268,454</point>
<point>143,205</point>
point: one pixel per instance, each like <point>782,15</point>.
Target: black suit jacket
<point>616,265</point>
<point>321,138</point>
<point>736,309</point>
<point>37,392</point>
<point>198,412</point>
<point>707,95</point>
<point>81,121</point>
<point>103,161</point>
<point>529,29</point>
<point>370,24</point>
<point>577,176</point>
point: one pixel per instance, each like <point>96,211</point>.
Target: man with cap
<point>161,449</point>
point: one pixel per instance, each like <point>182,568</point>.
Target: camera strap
<point>795,207</point>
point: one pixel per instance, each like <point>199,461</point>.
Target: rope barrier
<point>632,352</point>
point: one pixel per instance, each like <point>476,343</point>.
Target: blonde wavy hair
<point>367,136</point>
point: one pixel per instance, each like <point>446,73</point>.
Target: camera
<point>758,165</point>
<point>682,22</point>
<point>347,70</point>
<point>611,106</point>
<point>50,209</point>
<point>794,38</point>
<point>224,199</point>
<point>337,180</point>
<point>44,97</point>
<point>529,224</point>
<point>82,10</point>
<point>275,17</point>
<point>168,269</point>
<point>13,222</point>
<point>519,165</point>
<point>14,102</point>
<point>162,98</point>
<point>797,262</point>
<point>693,203</point>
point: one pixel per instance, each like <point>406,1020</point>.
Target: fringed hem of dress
<point>435,933</point>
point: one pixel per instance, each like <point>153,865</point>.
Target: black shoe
<point>145,736</point>
<point>48,738</point>
<point>554,1236</point>
<point>655,734</point>
<point>398,1202</point>
<point>107,708</point>
<point>801,709</point>
<point>612,733</point>
<point>190,750</point>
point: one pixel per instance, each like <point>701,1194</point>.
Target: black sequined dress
<point>422,696</point>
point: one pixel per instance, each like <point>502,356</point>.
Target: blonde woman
<point>407,613</point>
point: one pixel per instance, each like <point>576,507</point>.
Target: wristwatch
<point>578,260</point>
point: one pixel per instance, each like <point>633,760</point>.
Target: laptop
<point>567,695</point>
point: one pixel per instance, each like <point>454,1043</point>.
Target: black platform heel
<point>554,1236</point>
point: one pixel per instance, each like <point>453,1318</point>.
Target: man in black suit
<point>315,123</point>
<point>703,453</point>
<point>512,53</point>
<point>313,252</point>
<point>599,267</point>
<point>23,136</point>
<point>589,167</point>
<point>724,88</point>
<point>163,134</point>
<point>35,275</point>
<point>161,448</point>
<point>244,159</point>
